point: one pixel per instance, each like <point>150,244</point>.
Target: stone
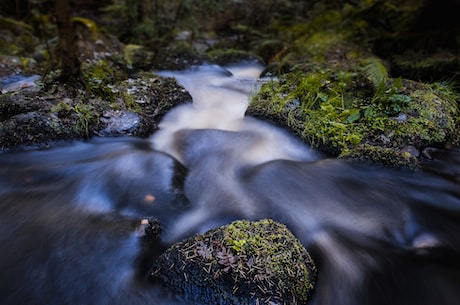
<point>244,262</point>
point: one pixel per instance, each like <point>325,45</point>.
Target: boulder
<point>244,262</point>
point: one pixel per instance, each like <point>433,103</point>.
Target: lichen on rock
<point>244,262</point>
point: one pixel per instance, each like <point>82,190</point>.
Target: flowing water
<point>70,216</point>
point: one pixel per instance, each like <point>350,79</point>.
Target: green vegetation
<point>86,24</point>
<point>18,38</point>
<point>86,117</point>
<point>335,94</point>
<point>99,76</point>
<point>272,253</point>
<point>341,110</point>
<point>244,262</point>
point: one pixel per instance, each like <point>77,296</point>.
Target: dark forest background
<point>396,30</point>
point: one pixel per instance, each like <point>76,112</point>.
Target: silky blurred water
<point>69,216</point>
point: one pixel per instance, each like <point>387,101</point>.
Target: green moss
<point>82,117</point>
<point>17,38</point>
<point>99,75</point>
<point>14,25</point>
<point>244,262</point>
<point>382,155</point>
<point>87,117</point>
<point>338,109</point>
<point>274,252</point>
<point>138,57</point>
<point>337,96</point>
<point>226,56</point>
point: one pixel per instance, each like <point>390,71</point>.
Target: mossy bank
<point>332,91</point>
<point>345,113</point>
<point>39,117</point>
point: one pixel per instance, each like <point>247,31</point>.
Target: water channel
<point>68,215</point>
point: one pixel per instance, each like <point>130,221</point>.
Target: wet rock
<point>149,229</point>
<point>428,152</point>
<point>43,116</point>
<point>244,262</point>
<point>413,151</point>
<point>151,97</point>
<point>120,123</point>
<point>18,82</point>
<point>386,156</point>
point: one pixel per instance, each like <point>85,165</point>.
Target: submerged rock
<point>149,229</point>
<point>18,82</point>
<point>244,262</point>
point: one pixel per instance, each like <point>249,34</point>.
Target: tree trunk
<point>66,49</point>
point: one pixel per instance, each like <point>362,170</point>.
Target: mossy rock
<point>335,93</point>
<point>245,262</point>
<point>177,56</point>
<point>151,97</point>
<point>138,57</point>
<point>382,155</point>
<point>43,116</point>
<point>339,109</point>
<point>339,97</point>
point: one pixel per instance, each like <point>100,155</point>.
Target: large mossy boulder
<point>244,262</point>
<point>360,112</point>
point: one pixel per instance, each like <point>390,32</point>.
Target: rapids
<point>69,216</point>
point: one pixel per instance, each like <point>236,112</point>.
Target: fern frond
<point>376,72</point>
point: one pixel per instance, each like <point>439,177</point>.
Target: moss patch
<point>244,262</point>
<point>335,94</point>
<point>340,109</point>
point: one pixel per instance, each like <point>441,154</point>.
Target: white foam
<point>220,100</point>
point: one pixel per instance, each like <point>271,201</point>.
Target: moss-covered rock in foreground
<point>244,262</point>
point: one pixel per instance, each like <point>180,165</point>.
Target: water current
<point>69,215</point>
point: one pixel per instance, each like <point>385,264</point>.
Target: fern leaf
<point>376,72</point>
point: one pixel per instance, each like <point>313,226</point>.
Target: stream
<point>69,216</point>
